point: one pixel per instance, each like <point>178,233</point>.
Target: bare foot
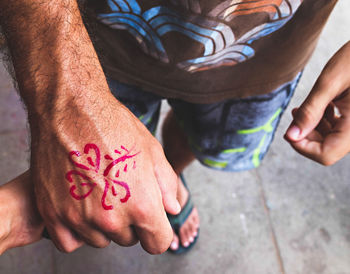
<point>189,229</point>
<point>20,223</point>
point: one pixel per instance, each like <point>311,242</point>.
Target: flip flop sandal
<point>176,222</point>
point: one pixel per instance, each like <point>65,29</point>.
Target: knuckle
<point>142,212</point>
<point>156,146</point>
<point>108,224</point>
<point>307,113</point>
<point>73,218</point>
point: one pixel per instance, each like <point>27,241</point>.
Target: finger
<point>308,115</point>
<point>91,236</point>
<point>63,238</point>
<point>151,223</point>
<point>155,242</point>
<point>334,147</point>
<point>167,181</point>
<point>124,237</point>
<point>324,126</point>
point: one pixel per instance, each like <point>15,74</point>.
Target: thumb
<point>309,114</point>
<point>167,181</point>
<point>305,119</point>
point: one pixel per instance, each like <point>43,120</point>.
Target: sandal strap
<point>178,220</point>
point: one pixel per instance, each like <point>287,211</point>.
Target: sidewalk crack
<point>272,230</point>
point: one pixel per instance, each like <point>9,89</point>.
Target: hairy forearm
<point>52,54</point>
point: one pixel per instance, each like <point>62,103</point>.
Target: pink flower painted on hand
<point>93,163</point>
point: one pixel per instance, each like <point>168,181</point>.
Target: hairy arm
<point>52,54</point>
<point>72,115</point>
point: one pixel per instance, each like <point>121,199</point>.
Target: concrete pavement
<point>290,215</point>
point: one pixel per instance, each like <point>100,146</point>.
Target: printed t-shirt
<point>204,51</point>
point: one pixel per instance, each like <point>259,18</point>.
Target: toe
<point>175,243</point>
<point>189,229</point>
<point>184,236</point>
<point>192,231</point>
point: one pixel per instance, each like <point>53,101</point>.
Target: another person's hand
<point>320,129</point>
<point>20,223</point>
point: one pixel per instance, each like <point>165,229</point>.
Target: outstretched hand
<point>320,129</point>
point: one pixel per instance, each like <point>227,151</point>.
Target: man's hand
<point>98,174</point>
<point>321,126</point>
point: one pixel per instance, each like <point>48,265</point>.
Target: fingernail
<point>190,239</point>
<point>195,234</point>
<point>186,244</point>
<point>293,132</point>
<point>174,246</point>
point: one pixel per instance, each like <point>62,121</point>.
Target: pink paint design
<point>87,148</point>
<point>75,172</point>
<point>91,163</point>
<point>103,200</point>
<point>123,148</point>
<point>114,192</point>
<point>117,151</point>
<point>77,154</point>
<point>89,184</point>
<point>127,190</point>
<point>97,154</point>
<point>93,160</point>
<point>117,161</point>
<point>107,157</point>
<point>80,197</point>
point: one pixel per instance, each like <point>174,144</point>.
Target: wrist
<point>75,117</point>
